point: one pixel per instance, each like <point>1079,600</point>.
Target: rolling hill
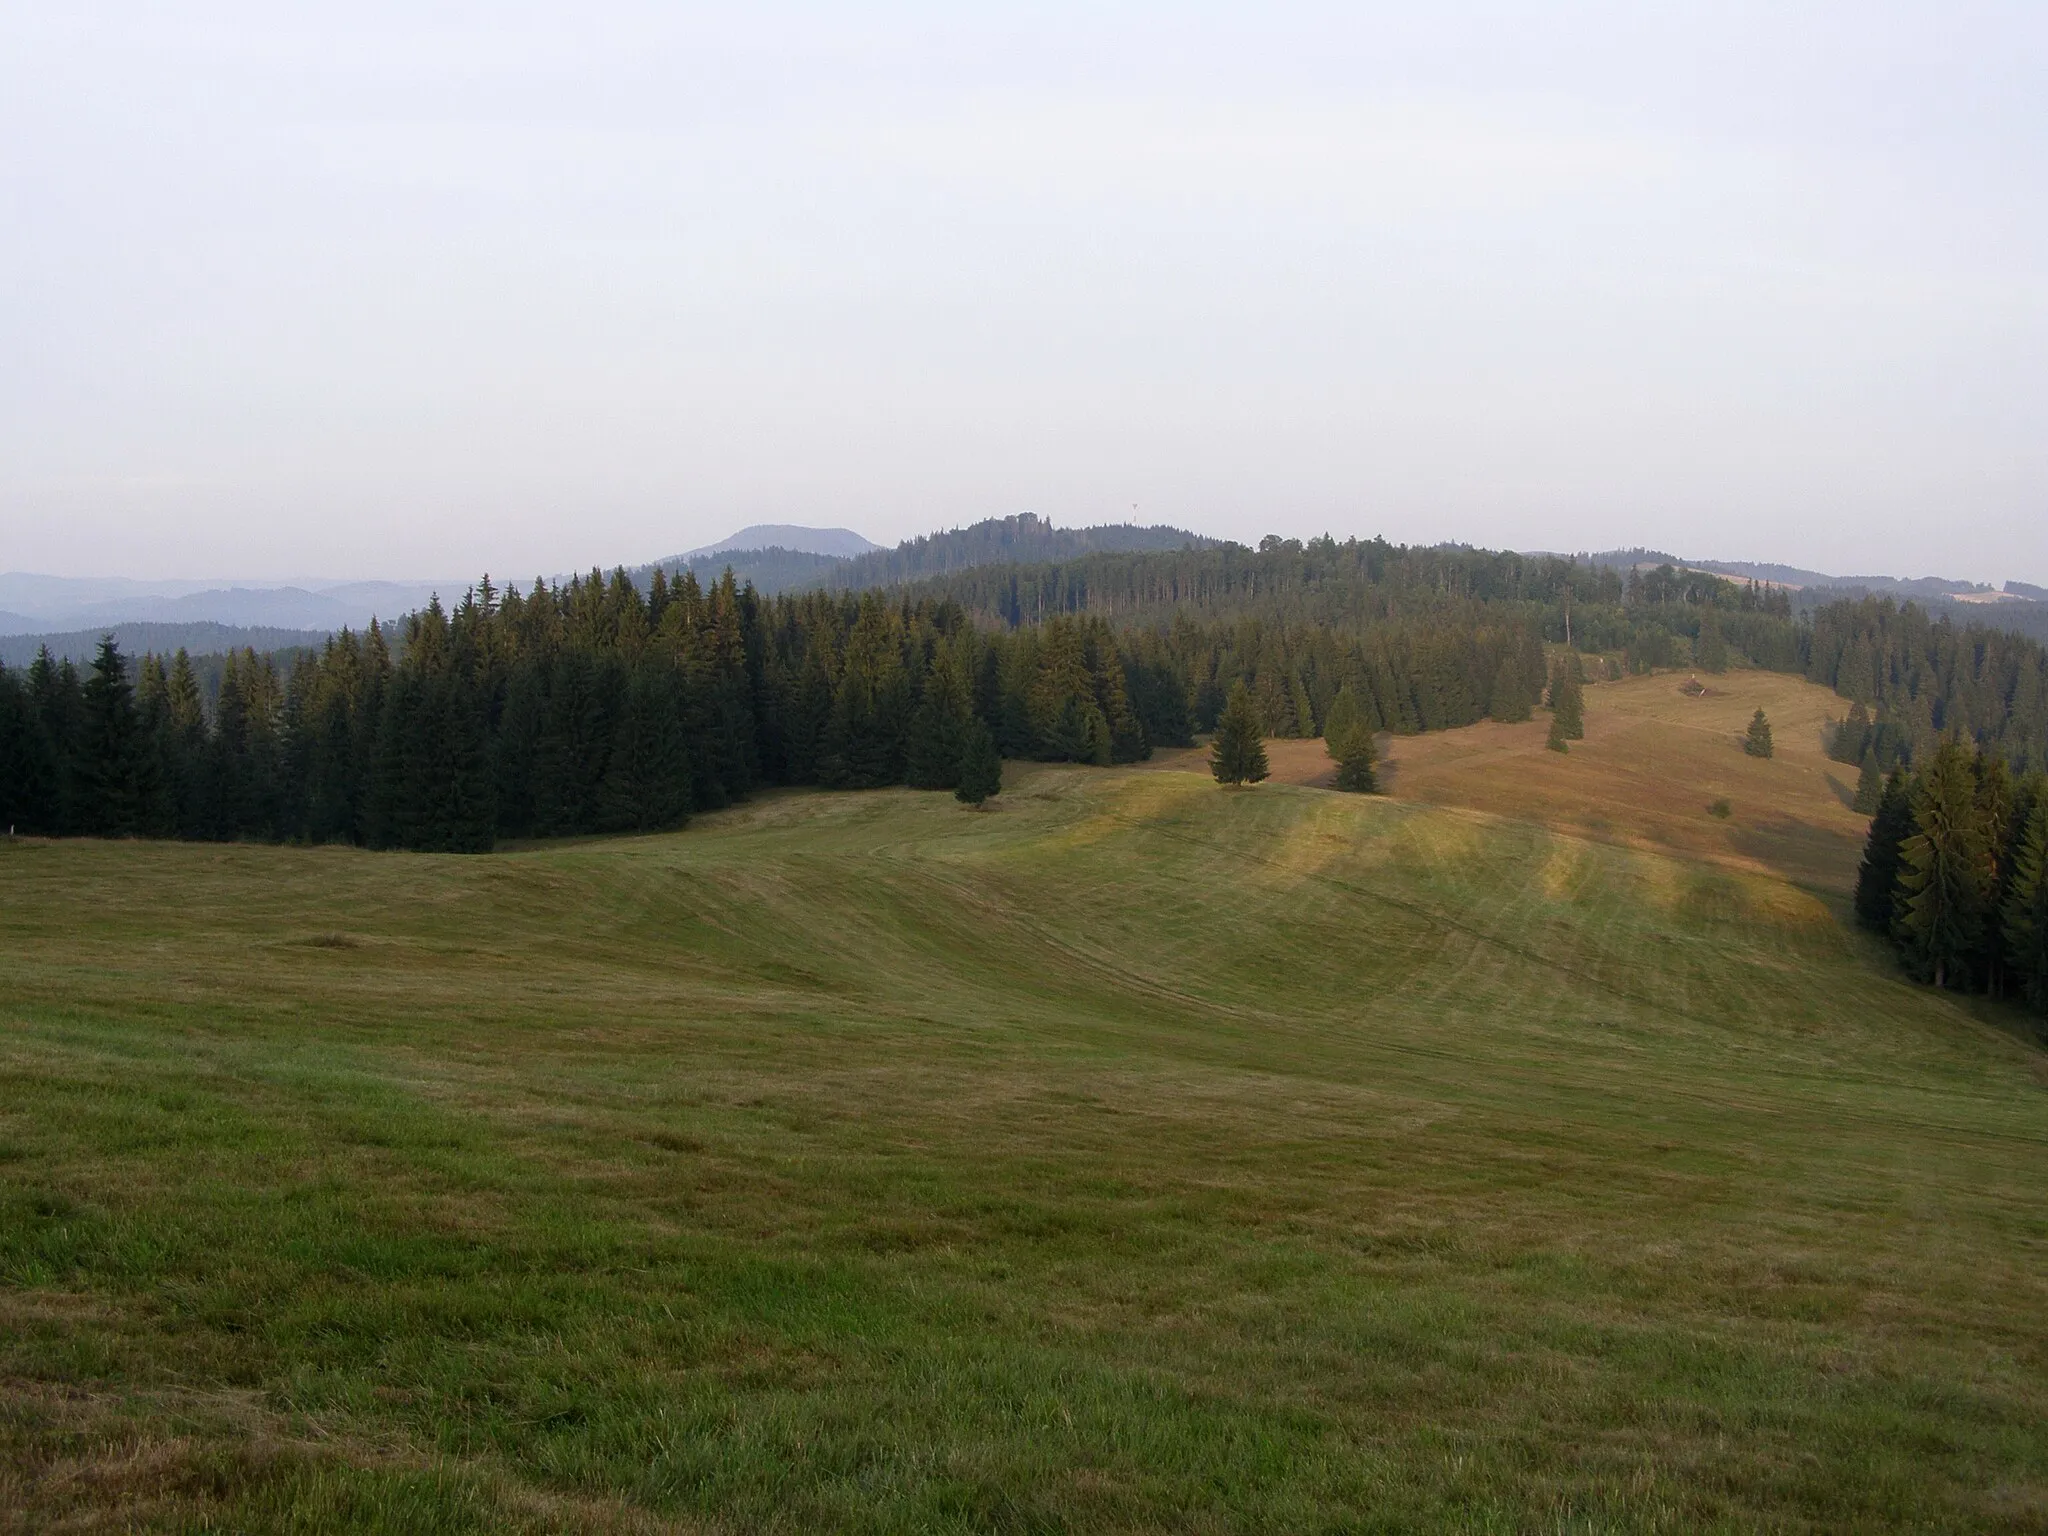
<point>785,566</point>
<point>199,638</point>
<point>840,543</point>
<point>1135,1155</point>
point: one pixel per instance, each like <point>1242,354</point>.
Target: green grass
<point>1136,1156</point>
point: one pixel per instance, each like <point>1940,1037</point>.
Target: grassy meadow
<point>1135,1155</point>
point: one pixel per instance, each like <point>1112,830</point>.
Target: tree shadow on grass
<point>1818,859</point>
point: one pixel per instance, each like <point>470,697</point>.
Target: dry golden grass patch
<point>1653,761</point>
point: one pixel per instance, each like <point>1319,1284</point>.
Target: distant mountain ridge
<point>2019,606</point>
<point>842,543</point>
<point>1797,576</point>
<point>70,613</point>
<point>56,604</point>
<point>1023,538</point>
<point>200,639</point>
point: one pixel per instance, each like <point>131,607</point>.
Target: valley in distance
<point>1034,1029</point>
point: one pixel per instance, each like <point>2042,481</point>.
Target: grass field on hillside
<point>1653,763</point>
<point>1136,1155</point>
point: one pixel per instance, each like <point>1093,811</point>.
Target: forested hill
<point>199,638</point>
<point>1920,675</point>
<point>1003,540</point>
<point>1916,678</point>
<point>1025,537</point>
<point>1359,585</point>
<point>767,571</point>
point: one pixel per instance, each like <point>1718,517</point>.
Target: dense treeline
<point>1657,619</point>
<point>591,706</point>
<point>1916,679</point>
<point>605,704</point>
<point>1955,873</point>
<point>1911,678</point>
<point>202,639</point>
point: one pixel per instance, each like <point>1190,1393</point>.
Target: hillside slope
<point>1654,763</point>
<point>1137,1155</point>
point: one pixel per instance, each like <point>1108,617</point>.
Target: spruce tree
<point>1347,737</point>
<point>186,747</point>
<point>19,765</point>
<point>1238,754</point>
<point>938,726</point>
<point>1078,733</point>
<point>1304,711</point>
<point>1852,737</point>
<point>647,780</point>
<point>1510,701</point>
<point>2025,915</point>
<point>981,770</point>
<point>28,771</point>
<point>1568,699</point>
<point>1995,822</point>
<point>1356,773</point>
<point>1877,878</point>
<point>1757,741</point>
<point>1869,787</point>
<point>60,713</point>
<point>110,760</point>
<point>1941,879</point>
<point>1557,741</point>
<point>1344,720</point>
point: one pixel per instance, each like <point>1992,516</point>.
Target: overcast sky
<point>423,289</point>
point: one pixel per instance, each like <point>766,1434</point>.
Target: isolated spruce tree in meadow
<point>981,769</point>
<point>1357,772</point>
<point>1347,737</point>
<point>1757,742</point>
<point>1568,699</point>
<point>1343,719</point>
<point>2024,920</point>
<point>1557,741</point>
<point>1238,754</point>
<point>1944,867</point>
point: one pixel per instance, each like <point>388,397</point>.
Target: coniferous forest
<point>598,704</point>
<point>1955,873</point>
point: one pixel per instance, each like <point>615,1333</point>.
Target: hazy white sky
<point>389,289</point>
